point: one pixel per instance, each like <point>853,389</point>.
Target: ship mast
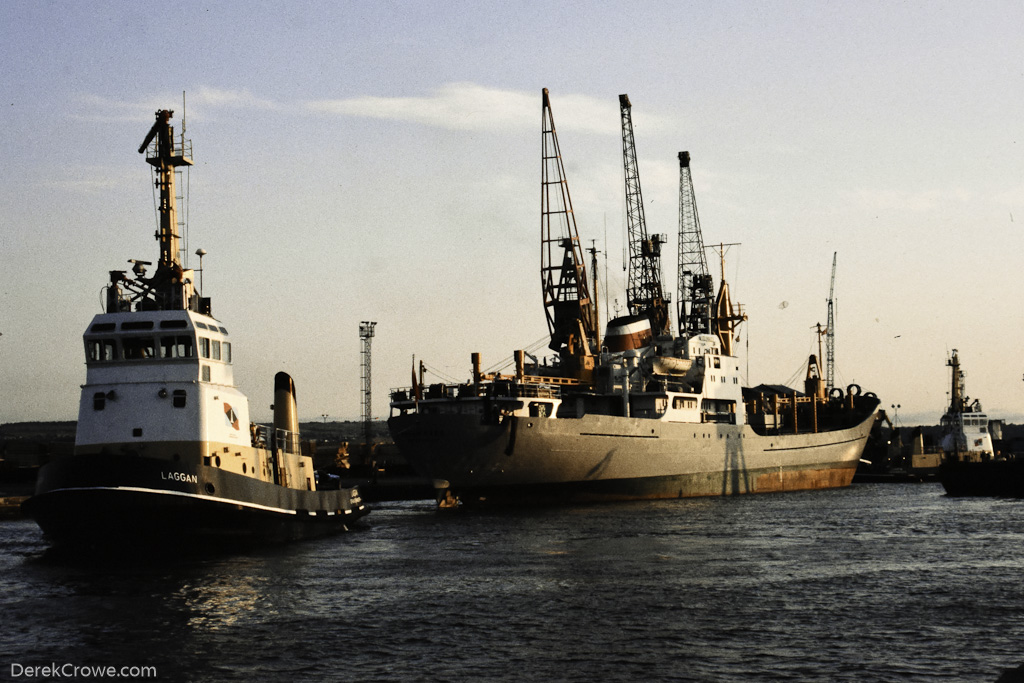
<point>957,399</point>
<point>163,157</point>
<point>726,317</point>
<point>695,286</point>
<point>172,286</point>
<point>570,310</point>
<point>644,294</point>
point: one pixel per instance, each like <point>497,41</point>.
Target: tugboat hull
<point>997,478</point>
<point>126,501</point>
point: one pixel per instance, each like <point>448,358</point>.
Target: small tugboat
<point>164,453</point>
<point>971,466</point>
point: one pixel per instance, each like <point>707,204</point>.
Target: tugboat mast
<point>168,284</point>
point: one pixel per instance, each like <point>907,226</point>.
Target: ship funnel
<point>628,332</point>
<point>286,414</point>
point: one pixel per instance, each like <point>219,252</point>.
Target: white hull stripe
<point>137,489</point>
<point>802,448</point>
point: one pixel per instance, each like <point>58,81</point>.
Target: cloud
<point>454,106</point>
<point>99,108</point>
<point>203,99</point>
<point>470,106</point>
<point>214,97</point>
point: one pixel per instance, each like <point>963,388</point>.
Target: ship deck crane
<point>571,312</point>
<point>644,294</point>
<point>695,286</point>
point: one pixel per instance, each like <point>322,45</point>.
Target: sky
<point>380,161</point>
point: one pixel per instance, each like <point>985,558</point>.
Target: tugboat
<point>639,414</point>
<point>165,454</point>
<point>971,466</point>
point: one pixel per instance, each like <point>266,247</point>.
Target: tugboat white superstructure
<point>965,431</point>
<point>972,463</point>
<point>165,452</point>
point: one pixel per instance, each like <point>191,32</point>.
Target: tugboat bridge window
<point>179,346</point>
<point>216,350</point>
<point>138,348</point>
<point>102,349</point>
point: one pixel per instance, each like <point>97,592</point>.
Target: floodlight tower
<point>366,335</point>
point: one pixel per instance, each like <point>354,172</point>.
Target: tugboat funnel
<point>286,414</point>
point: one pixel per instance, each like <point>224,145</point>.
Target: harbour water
<point>877,582</point>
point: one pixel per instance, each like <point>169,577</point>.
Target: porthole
<point>216,461</point>
<point>209,488</point>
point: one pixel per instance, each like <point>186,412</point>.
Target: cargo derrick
<point>695,286</point>
<point>644,294</point>
<point>571,312</point>
<point>725,317</point>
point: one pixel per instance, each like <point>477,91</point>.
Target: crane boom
<point>571,312</point>
<point>644,294</point>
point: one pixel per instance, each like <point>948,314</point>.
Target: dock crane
<point>644,295</point>
<point>571,312</point>
<point>830,334</point>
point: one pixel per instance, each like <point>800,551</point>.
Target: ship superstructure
<point>644,415</point>
<point>975,462</point>
<point>165,451</point>
<point>965,426</point>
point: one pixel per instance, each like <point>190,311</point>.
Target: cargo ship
<point>971,464</point>
<point>644,411</point>
<point>165,454</point>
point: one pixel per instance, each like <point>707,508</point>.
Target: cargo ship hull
<point>601,457</point>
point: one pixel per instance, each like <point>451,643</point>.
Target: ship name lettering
<point>180,476</point>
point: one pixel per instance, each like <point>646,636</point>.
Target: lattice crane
<point>830,333</point>
<point>571,312</point>
<point>644,295</point>
<point>696,290</point>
